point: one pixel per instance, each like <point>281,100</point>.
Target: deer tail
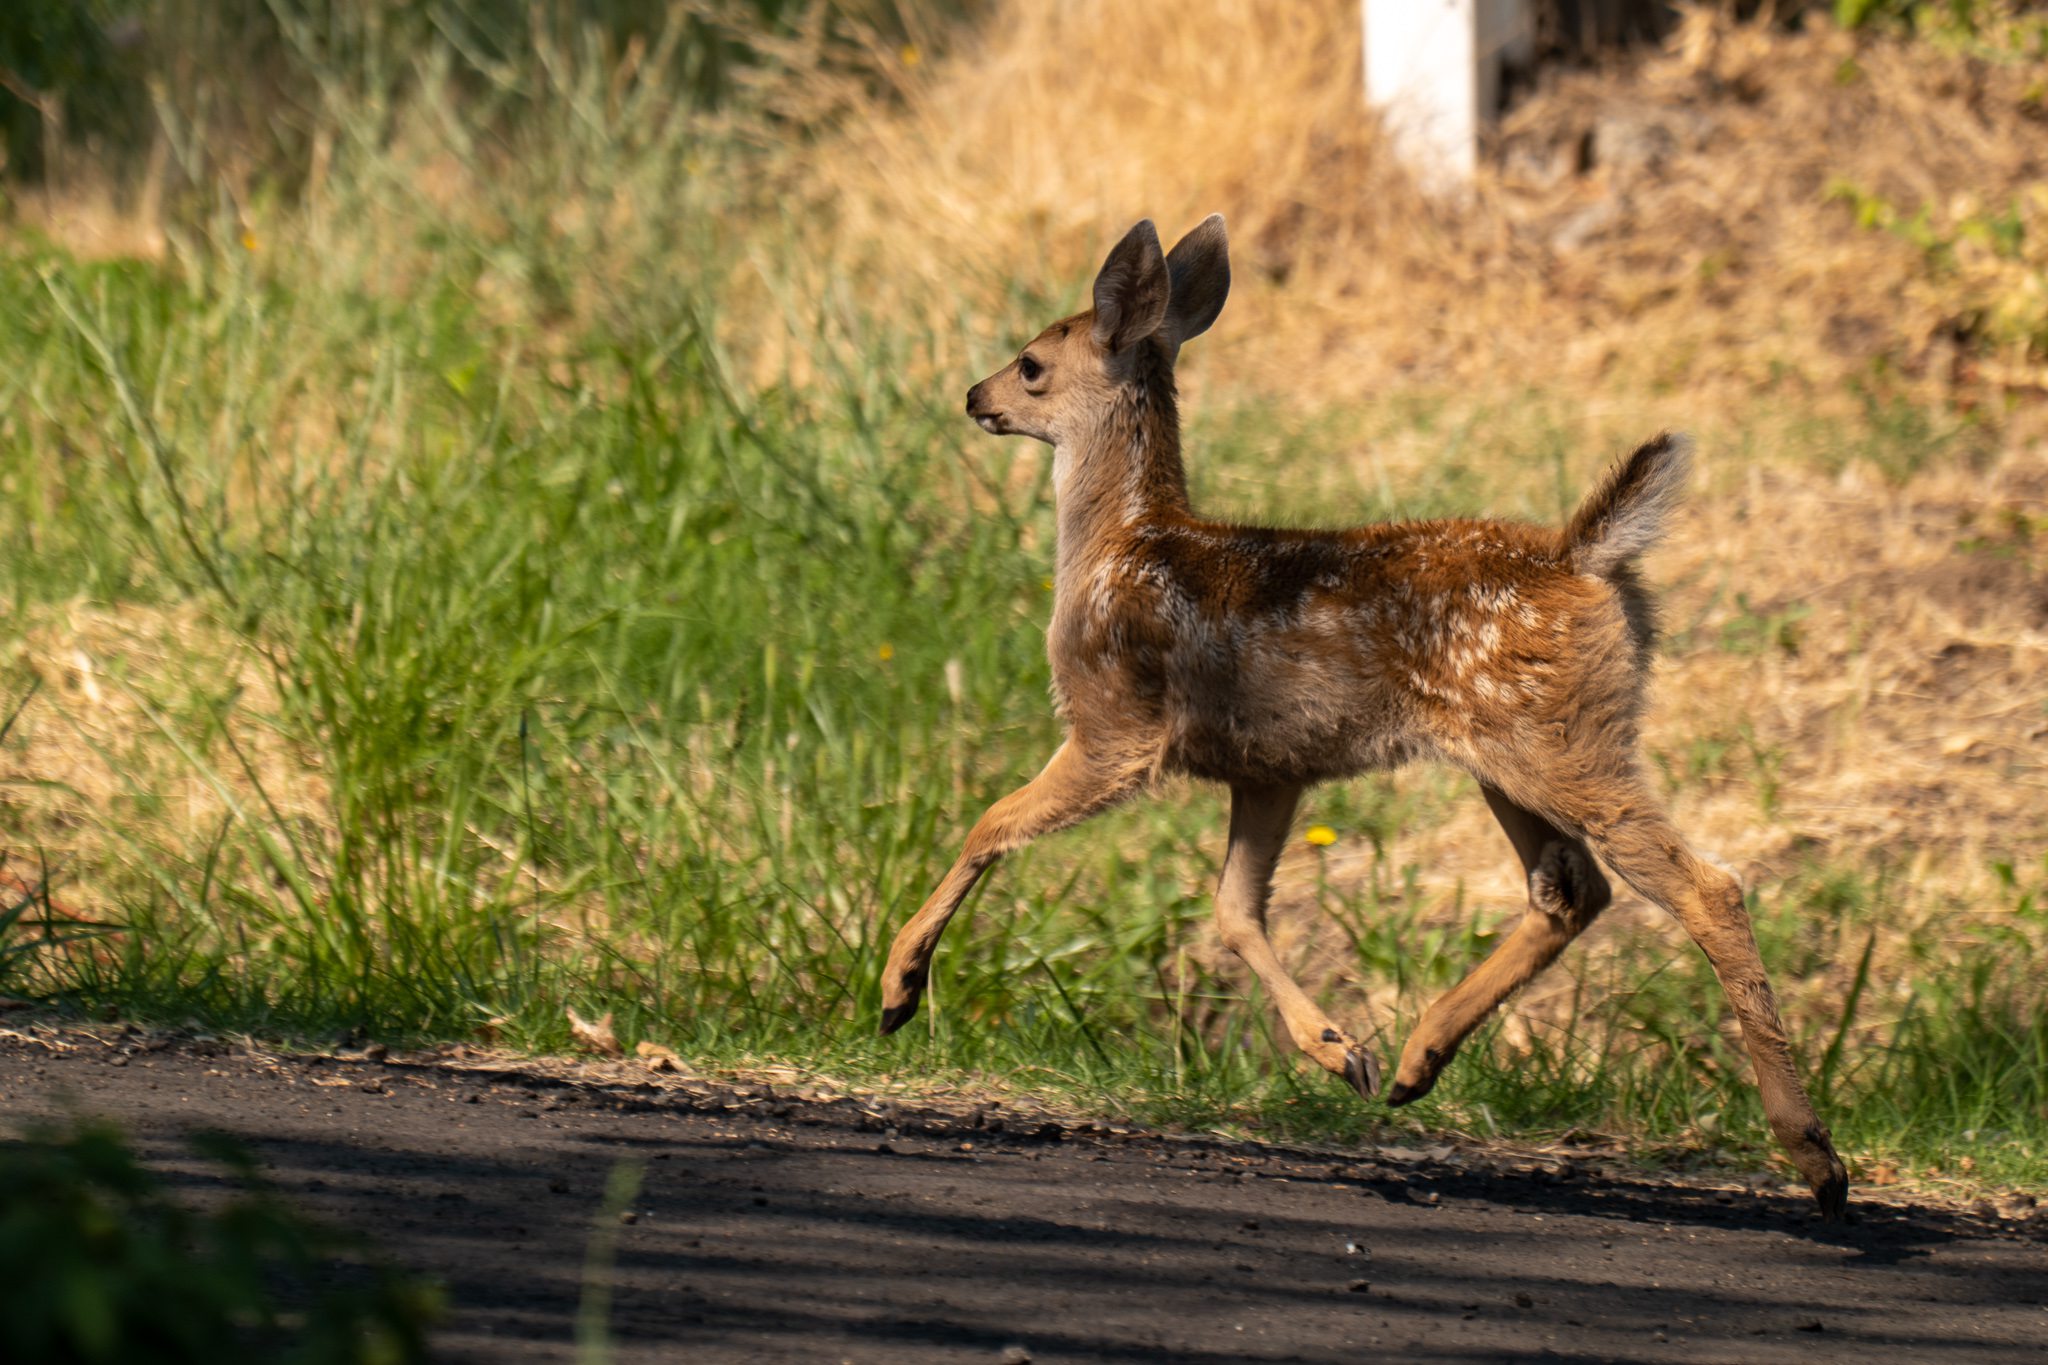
<point>1624,516</point>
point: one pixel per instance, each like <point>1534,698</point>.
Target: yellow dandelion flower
<point>248,240</point>
<point>1046,584</point>
<point>909,55</point>
<point>1322,836</point>
<point>886,653</point>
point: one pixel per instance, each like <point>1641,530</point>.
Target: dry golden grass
<point>95,760</point>
<point>1700,257</point>
<point>92,224</point>
<point>1904,701</point>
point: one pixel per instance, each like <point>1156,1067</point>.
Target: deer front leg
<point>1072,787</point>
<point>1258,830</point>
<point>1566,893</point>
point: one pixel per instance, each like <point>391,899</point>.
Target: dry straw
<point>1688,218</point>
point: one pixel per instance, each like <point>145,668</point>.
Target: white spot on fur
<point>1493,599</point>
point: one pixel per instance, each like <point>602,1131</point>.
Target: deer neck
<point>1123,471</point>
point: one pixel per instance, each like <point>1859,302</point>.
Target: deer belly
<point>1280,717</point>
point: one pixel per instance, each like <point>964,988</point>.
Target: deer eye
<point>1029,368</point>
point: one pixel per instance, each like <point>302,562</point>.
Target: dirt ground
<point>778,1225</point>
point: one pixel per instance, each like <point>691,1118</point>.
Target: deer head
<point>1144,300</point>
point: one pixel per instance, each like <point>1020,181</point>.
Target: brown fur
<point>1271,659</point>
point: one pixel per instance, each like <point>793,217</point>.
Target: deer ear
<point>1131,291</point>
<point>1199,267</point>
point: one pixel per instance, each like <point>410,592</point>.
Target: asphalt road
<point>771,1227</point>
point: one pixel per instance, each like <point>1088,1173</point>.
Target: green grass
<point>618,681</point>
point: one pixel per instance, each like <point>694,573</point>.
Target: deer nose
<point>985,416</point>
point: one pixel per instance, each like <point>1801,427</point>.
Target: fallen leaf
<point>595,1034</point>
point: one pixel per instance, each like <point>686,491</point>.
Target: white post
<point>1433,67</point>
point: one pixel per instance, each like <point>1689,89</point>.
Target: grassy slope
<point>430,633</point>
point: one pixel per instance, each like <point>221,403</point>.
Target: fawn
<point>1271,659</point>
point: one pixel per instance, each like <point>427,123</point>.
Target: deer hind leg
<point>1072,787</point>
<point>1258,830</point>
<point>1566,893</point>
<point>1627,827</point>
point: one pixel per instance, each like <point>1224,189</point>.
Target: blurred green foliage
<point>1989,261</point>
<point>1986,26</point>
<point>110,81</point>
<point>99,1264</point>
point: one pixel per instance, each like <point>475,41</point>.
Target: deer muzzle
<point>985,416</point>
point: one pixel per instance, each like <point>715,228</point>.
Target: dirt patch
<point>771,1225</point>
<point>1985,586</point>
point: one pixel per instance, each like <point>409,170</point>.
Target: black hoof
<point>896,1016</point>
<point>1832,1195</point>
<point>1403,1093</point>
<point>1362,1072</point>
